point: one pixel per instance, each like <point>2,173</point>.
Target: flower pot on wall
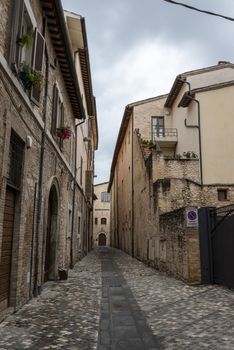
<point>64,132</point>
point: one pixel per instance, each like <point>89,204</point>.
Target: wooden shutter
<point>16,31</point>
<point>61,123</point>
<point>54,110</point>
<point>89,183</point>
<point>37,63</point>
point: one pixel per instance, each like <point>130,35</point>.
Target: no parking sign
<point>191,217</point>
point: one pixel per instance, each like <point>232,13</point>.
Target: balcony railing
<point>164,133</point>
<point>165,137</point>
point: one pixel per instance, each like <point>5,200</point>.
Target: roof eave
<point>176,87</point>
<point>54,12</point>
<point>125,120</point>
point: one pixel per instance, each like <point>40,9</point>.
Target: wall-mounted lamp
<point>28,142</point>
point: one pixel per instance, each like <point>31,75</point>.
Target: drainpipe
<point>40,180</point>
<point>186,82</point>
<point>133,243</point>
<point>199,134</point>
<point>74,197</point>
<point>33,240</point>
<point>195,126</point>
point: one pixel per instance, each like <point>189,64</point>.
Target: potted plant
<point>26,40</point>
<point>189,155</point>
<point>64,132</point>
<point>30,77</point>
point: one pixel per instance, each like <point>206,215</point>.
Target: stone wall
<point>181,247</point>
<point>161,238</point>
<point>178,169</point>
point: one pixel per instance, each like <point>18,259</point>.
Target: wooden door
<point>48,244</point>
<point>102,239</point>
<point>6,249</point>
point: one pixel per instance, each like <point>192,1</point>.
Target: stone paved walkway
<point>114,302</point>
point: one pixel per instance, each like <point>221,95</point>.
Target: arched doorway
<point>102,239</point>
<point>51,236</point>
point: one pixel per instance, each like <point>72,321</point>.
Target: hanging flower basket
<point>64,132</point>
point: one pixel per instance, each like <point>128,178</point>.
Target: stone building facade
<point>41,197</point>
<point>166,159</point>
<point>101,217</point>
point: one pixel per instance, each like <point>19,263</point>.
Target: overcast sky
<point>138,47</point>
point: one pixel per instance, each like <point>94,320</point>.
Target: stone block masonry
<point>181,244</point>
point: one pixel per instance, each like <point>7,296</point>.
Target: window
<point>96,221</point>
<point>103,221</point>
<point>157,127</point>
<point>57,114</point>
<point>105,197</point>
<point>69,229</point>
<point>16,160</point>
<point>222,194</point>
<point>79,227</point>
<point>27,49</point>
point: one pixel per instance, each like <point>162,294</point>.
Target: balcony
<point>165,137</point>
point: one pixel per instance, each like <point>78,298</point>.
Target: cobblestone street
<point>114,302</point>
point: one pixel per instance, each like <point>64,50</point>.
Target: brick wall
<point>19,113</point>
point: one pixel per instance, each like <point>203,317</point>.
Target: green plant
<point>30,77</point>
<point>189,155</point>
<point>26,40</point>
<point>149,143</point>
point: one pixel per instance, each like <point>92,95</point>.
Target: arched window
<point>103,221</point>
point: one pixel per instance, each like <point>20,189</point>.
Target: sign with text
<point>191,217</point>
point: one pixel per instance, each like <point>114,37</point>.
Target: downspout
<point>74,197</point>
<point>133,243</point>
<point>41,172</point>
<point>199,135</point>
<point>186,82</point>
<point>195,126</point>
<point>32,240</point>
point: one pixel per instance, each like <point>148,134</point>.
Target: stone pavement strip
<point>114,302</point>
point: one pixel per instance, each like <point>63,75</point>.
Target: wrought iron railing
<point>161,132</point>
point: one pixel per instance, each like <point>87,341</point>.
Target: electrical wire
<point>199,10</point>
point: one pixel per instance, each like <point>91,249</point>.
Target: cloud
<point>138,47</point>
<point>145,70</point>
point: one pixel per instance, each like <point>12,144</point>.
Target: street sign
<point>191,217</point>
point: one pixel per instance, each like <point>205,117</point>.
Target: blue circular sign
<point>192,215</point>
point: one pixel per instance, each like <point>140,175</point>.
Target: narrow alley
<point>112,301</point>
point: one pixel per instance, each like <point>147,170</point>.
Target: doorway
<point>102,239</point>
<point>51,236</point>
<point>6,250</point>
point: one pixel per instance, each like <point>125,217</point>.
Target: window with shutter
<point>16,30</point>
<point>16,156</point>
<point>27,49</point>
<point>57,115</point>
<point>38,54</point>
<point>89,183</point>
